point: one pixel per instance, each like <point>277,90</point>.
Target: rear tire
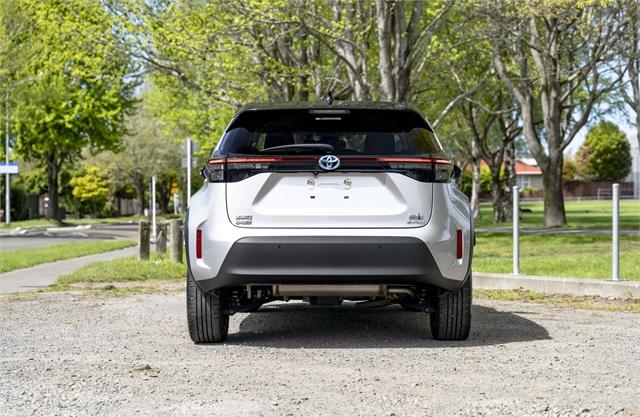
<point>451,315</point>
<point>205,315</point>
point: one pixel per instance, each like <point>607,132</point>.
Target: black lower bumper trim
<point>329,260</point>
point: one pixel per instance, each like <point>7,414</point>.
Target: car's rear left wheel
<point>205,315</point>
<point>451,314</point>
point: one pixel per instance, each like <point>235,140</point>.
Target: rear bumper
<point>328,260</point>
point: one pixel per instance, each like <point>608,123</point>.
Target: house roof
<point>522,168</point>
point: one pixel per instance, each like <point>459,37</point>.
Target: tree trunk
<point>475,175</point>
<point>475,188</point>
<point>510,179</point>
<point>303,91</point>
<point>140,190</point>
<point>53,172</point>
<point>164,191</point>
<point>497,195</point>
<point>554,214</point>
<point>636,176</point>
<point>383,24</point>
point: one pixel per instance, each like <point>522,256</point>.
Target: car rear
<point>328,203</point>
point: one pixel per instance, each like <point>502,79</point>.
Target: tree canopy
<point>489,75</point>
<point>606,153</point>
<point>76,93</point>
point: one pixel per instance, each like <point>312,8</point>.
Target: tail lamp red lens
<point>199,244</point>
<point>459,244</point>
<point>233,169</point>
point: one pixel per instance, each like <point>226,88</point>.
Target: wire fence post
<point>143,240</point>
<point>175,240</point>
<point>615,232</point>
<point>516,230</point>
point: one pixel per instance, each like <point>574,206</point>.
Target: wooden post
<point>143,240</point>
<point>176,240</point>
<point>161,240</point>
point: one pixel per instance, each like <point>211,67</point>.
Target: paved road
<point>9,243</point>
<point>69,355</point>
<point>43,275</point>
<point>24,239</point>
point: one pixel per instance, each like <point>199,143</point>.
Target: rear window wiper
<point>302,147</point>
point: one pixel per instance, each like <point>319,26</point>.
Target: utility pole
<point>7,206</point>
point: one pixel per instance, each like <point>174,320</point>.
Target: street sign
<point>194,146</point>
<point>174,187</point>
<point>194,162</point>
<point>10,168</point>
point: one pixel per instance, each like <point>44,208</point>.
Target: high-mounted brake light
<point>199,244</point>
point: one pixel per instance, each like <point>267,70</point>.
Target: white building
<point>528,174</point>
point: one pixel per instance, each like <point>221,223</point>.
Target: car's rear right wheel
<point>451,314</point>
<point>205,314</point>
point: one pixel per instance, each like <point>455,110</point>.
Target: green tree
<point>571,170</point>
<point>91,188</point>
<point>606,153</point>
<point>553,57</point>
<point>78,94</point>
<point>146,150</point>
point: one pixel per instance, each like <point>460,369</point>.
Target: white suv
<point>325,203</point>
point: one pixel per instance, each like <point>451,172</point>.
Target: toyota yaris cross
<point>329,203</point>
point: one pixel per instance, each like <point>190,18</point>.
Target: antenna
<point>328,98</point>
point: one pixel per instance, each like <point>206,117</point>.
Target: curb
<point>558,285</point>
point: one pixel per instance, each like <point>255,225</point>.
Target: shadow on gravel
<point>290,326</point>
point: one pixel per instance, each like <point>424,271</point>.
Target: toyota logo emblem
<point>329,162</point>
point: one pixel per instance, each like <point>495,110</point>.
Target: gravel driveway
<point>67,355</point>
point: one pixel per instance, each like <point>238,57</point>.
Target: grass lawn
<point>559,300</point>
<point>125,270</point>
<point>580,214</point>
<point>579,256</point>
<point>77,222</point>
<point>25,258</point>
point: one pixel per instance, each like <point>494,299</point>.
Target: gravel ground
<point>68,355</point>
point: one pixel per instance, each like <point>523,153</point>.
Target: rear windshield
<point>349,132</point>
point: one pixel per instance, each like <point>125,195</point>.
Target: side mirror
<point>456,173</point>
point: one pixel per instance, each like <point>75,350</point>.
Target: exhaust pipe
<point>393,296</point>
<point>401,291</point>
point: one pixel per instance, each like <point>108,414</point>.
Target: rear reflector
<point>199,244</point>
<point>459,244</point>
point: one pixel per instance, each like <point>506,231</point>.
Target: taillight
<point>233,169</point>
<point>421,169</point>
<point>199,244</point>
<point>214,170</point>
<point>459,244</point>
